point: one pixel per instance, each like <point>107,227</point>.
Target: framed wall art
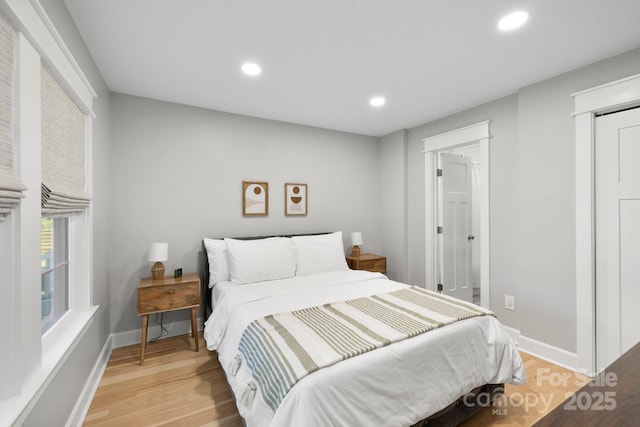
<point>295,199</point>
<point>255,198</point>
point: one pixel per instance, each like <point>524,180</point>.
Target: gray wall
<point>177,177</point>
<point>503,114</point>
<point>57,401</point>
<point>546,214</point>
<point>532,196</point>
<point>392,184</point>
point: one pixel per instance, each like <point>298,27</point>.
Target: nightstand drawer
<point>370,262</point>
<point>165,298</point>
<point>379,265</point>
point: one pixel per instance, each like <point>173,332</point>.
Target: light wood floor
<point>179,387</point>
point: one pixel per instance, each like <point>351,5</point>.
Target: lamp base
<point>355,251</point>
<point>157,271</point>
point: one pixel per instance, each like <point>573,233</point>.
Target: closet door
<point>617,154</point>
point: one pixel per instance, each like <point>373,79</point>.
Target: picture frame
<point>295,199</point>
<point>255,198</point>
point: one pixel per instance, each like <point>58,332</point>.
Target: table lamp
<point>158,252</point>
<point>356,241</point>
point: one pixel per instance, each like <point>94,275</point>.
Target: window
<point>62,194</point>
<point>54,267</point>
<point>36,140</point>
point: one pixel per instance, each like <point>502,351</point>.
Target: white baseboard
<point>79,412</point>
<point>544,351</point>
<point>179,327</point>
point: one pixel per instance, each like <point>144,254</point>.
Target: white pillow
<point>258,260</point>
<point>319,254</point>
<point>217,256</point>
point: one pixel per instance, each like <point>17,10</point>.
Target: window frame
<point>62,336</point>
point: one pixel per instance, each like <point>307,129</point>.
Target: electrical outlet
<point>510,302</point>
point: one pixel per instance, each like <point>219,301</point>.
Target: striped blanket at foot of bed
<point>281,349</point>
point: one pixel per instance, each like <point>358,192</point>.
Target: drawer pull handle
<point>171,291</point>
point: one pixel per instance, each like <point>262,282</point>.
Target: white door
<point>455,219</point>
<point>617,154</point>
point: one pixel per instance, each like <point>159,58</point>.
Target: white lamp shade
<point>158,252</point>
<point>356,238</point>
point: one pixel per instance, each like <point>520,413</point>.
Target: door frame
<point>468,135</point>
<point>587,103</point>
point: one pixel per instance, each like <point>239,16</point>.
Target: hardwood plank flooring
<point>547,386</point>
<point>175,387</point>
<point>179,387</point>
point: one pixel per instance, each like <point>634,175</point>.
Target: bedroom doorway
<point>459,236</point>
<point>457,213</point>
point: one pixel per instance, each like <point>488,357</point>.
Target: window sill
<point>57,344</point>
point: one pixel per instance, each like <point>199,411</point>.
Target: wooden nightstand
<point>168,294</point>
<point>369,262</point>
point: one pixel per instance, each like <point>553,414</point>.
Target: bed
<point>265,295</point>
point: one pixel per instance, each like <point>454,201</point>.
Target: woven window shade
<point>63,143</point>
<point>10,187</point>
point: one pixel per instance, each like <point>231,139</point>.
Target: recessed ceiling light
<point>251,69</point>
<point>377,101</point>
<point>513,20</point>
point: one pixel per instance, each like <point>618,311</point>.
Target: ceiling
<point>323,60</point>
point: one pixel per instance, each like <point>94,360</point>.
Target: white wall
<point>177,177</point>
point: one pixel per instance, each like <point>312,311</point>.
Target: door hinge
<point>439,172</point>
<point>439,230</point>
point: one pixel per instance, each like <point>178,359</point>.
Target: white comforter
<point>396,385</point>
